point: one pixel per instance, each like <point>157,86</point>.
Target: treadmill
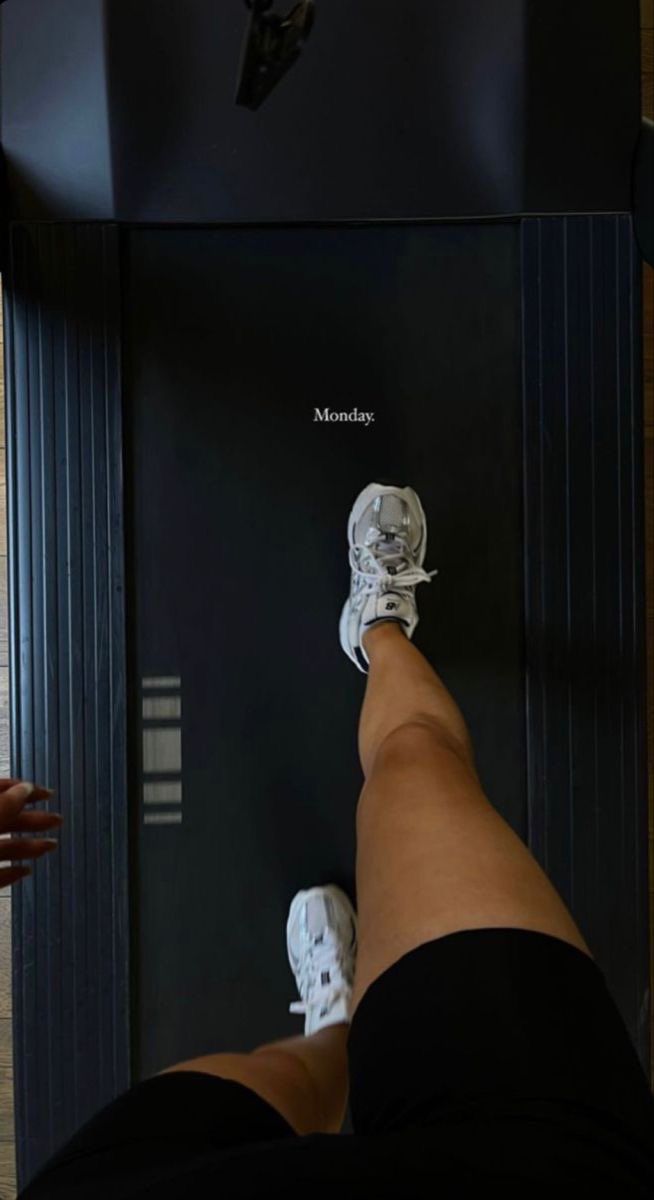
<point>221,221</point>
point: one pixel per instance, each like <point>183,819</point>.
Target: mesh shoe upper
<point>388,539</point>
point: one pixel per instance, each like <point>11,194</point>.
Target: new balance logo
<point>391,606</point>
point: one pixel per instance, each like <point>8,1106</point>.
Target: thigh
<point>434,858</point>
<point>153,1132</point>
<point>508,1031</point>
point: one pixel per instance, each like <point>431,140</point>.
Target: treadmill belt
<point>238,498</point>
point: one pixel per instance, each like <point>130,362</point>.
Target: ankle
<point>382,632</point>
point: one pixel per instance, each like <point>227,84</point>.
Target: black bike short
<point>492,1060</point>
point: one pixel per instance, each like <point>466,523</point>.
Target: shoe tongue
<point>316,917</point>
<point>393,551</point>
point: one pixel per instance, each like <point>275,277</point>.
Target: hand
<point>14,795</point>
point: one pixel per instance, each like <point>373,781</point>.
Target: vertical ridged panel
<point>585,587</point>
<point>66,594</point>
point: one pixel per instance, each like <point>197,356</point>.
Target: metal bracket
<point>272,45</point>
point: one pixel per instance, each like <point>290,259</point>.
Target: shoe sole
<point>340,898</point>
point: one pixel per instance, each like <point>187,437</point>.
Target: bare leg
<point>434,857</point>
<point>304,1078</point>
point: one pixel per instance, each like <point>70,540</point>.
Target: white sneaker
<point>321,937</point>
<point>387,534</point>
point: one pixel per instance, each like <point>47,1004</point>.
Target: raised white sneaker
<point>387,534</point>
<point>321,937</point>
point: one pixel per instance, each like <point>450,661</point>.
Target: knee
<point>289,1077</point>
<point>418,740</point>
<point>290,1070</point>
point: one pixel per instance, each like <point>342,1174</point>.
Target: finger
<point>12,802</point>
<point>39,793</point>
<point>33,822</point>
<point>9,875</point>
<point>20,848</point>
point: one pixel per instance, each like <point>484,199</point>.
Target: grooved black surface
<point>70,917</point>
<point>585,588</point>
<point>240,507</point>
<point>235,531</point>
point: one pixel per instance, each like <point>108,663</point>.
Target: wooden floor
<point>7,1163</point>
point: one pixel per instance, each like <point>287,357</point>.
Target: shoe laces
<point>388,564</point>
<point>321,980</point>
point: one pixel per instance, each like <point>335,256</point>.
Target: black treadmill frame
<point>67,503</point>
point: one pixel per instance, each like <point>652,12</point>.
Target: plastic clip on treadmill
<point>273,44</point>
